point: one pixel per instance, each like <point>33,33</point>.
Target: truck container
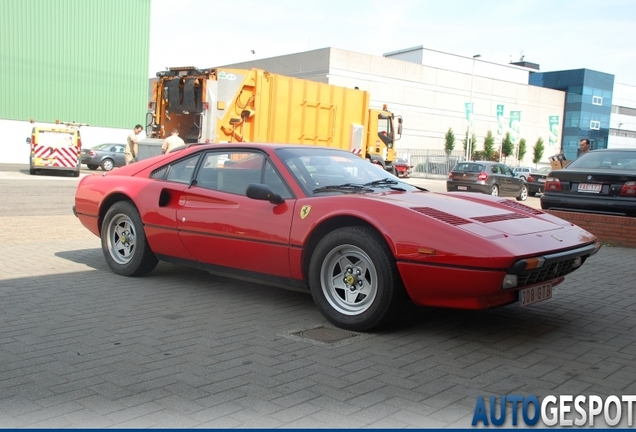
<point>234,105</point>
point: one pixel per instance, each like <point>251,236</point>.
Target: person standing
<point>131,145</point>
<point>584,146</point>
<point>173,141</point>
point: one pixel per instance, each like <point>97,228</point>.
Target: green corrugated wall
<point>84,61</point>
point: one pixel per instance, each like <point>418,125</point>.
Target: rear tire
<point>31,171</point>
<point>124,242</point>
<point>523,195</point>
<point>76,173</point>
<point>494,190</point>
<point>354,279</point>
<point>92,167</point>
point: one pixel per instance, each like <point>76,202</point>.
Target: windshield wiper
<point>346,186</point>
<point>382,182</point>
<point>386,182</point>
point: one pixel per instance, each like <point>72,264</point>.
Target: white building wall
<point>623,126</point>
<point>431,99</point>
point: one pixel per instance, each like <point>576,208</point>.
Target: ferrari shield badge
<point>304,211</point>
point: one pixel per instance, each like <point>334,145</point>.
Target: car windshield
<point>321,170</point>
<point>606,160</point>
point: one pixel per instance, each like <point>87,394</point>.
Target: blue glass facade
<point>588,105</point>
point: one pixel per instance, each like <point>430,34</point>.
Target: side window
<point>506,170</point>
<point>273,180</point>
<point>230,171</point>
<point>496,169</point>
<point>180,171</point>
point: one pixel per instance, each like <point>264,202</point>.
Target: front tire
<point>124,242</point>
<point>523,195</point>
<point>354,279</point>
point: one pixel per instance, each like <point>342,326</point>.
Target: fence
<point>433,164</point>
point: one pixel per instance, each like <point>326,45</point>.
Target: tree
<point>507,147</point>
<point>538,150</point>
<point>489,146</point>
<point>449,141</point>
<point>523,149</point>
<point>473,141</point>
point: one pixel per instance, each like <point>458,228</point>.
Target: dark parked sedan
<point>536,180</point>
<point>601,181</point>
<point>487,177</point>
<point>108,156</point>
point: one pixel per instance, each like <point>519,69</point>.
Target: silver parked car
<point>107,156</point>
<point>522,171</point>
<point>487,177</point>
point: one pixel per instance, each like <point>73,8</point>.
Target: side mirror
<point>28,140</point>
<point>263,192</point>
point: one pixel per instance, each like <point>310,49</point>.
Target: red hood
<point>483,215</point>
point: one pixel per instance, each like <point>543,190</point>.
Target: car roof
<point>614,149</point>
<point>252,145</point>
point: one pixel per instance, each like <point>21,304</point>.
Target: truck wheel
<point>108,164</point>
<point>31,171</point>
<point>354,279</point>
<point>76,173</point>
<point>124,242</point>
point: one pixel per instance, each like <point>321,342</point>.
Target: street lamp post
<point>469,143</point>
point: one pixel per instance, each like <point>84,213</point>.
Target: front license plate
<point>587,187</point>
<point>462,188</point>
<point>534,294</point>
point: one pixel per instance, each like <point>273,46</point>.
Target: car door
<point>119,158</point>
<point>221,226</point>
<point>513,183</point>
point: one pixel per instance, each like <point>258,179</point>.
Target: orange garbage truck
<point>233,105</point>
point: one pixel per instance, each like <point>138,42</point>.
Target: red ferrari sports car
<point>328,222</point>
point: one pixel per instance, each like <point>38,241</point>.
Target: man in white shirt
<point>173,141</point>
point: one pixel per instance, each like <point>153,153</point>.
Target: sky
<point>558,35</point>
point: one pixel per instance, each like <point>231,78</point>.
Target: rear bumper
<point>535,187</point>
<point>605,205</point>
<point>452,186</point>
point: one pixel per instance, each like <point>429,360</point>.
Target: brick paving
<point>82,347</point>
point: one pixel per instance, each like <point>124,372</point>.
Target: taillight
<point>628,189</point>
<point>552,184</point>
<point>530,178</point>
<point>450,175</point>
<point>92,153</point>
<point>482,176</point>
<point>79,145</point>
